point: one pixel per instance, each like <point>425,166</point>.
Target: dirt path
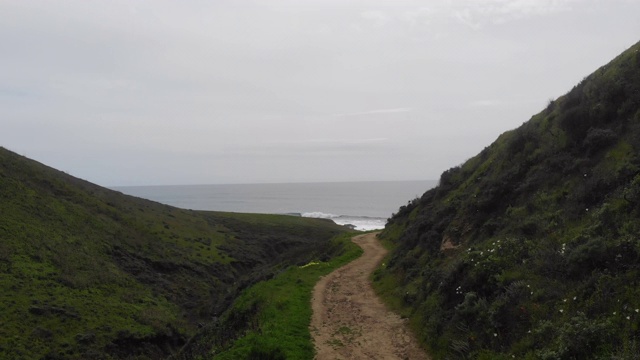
<point>350,322</point>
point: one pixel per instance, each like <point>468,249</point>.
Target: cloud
<point>478,13</point>
<point>314,147</point>
<point>13,92</point>
<point>379,18</point>
<point>225,80</point>
<point>467,17</point>
<point>418,16</point>
<point>472,13</point>
<point>475,13</point>
<point>344,141</point>
<point>485,103</point>
<point>374,112</point>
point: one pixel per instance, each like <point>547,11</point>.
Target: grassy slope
<point>89,272</point>
<point>545,226</point>
<point>274,315</point>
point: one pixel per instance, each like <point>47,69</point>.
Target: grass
<point>281,311</point>
<point>86,272</point>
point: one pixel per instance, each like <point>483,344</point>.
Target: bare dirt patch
<point>350,322</point>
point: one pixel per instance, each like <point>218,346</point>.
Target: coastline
<point>366,205</point>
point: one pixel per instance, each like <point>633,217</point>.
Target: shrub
<point>577,338</point>
<point>597,139</point>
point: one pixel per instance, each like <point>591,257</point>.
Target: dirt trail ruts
<point>350,322</point>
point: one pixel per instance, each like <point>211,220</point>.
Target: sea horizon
<point>364,204</point>
<point>274,183</point>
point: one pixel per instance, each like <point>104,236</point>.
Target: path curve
<point>350,322</point>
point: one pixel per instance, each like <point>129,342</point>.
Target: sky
<point>157,92</point>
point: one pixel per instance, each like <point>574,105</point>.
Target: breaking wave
<point>363,223</point>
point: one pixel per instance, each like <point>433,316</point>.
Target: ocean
<point>365,205</point>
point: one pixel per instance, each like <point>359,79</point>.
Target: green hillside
<point>531,249</point>
<point>87,272</point>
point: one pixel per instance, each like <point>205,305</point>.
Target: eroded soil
<point>350,322</point>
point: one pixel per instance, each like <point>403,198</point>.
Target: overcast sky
<point>142,92</point>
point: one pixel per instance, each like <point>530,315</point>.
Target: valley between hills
<point>528,250</point>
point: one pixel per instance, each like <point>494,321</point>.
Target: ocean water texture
<point>365,205</point>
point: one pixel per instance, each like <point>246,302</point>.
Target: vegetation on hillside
<point>87,272</point>
<point>531,249</point>
<point>273,316</point>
